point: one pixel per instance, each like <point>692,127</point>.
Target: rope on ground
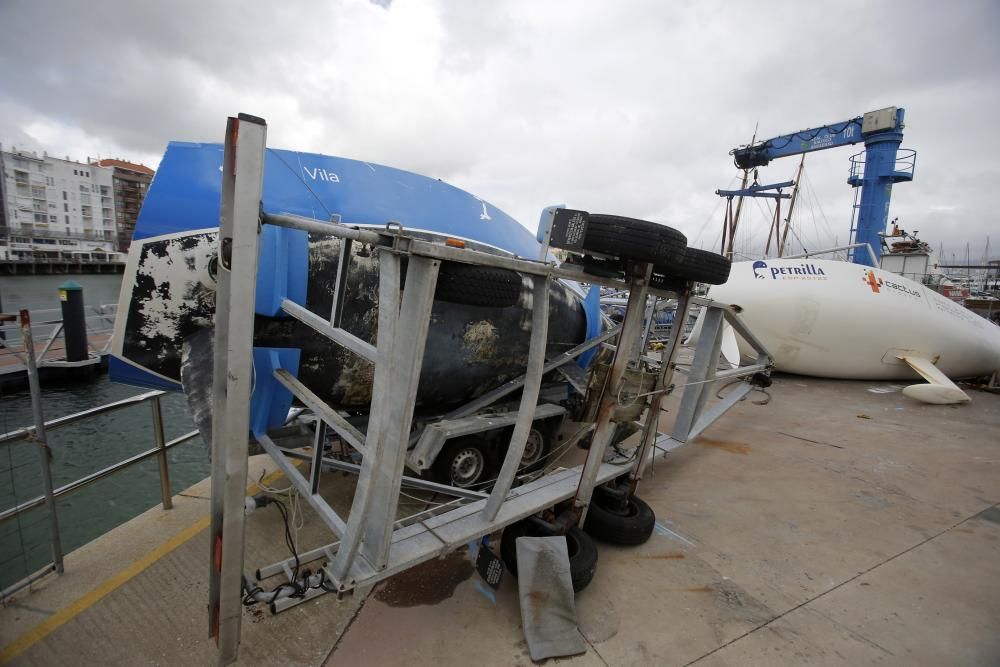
<point>763,401</point>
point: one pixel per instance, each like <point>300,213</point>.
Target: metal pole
<point>44,453</point>
<point>239,218</point>
<point>161,444</point>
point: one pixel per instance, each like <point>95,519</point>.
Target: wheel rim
<point>533,448</point>
<point>467,467</point>
<point>630,510</point>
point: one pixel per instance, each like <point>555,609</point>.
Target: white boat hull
<point>842,320</point>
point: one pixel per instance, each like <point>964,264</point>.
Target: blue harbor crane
<point>873,171</point>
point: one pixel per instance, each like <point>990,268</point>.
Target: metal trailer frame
<point>371,545</point>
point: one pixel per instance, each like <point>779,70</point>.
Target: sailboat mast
<point>735,219</point>
<point>791,205</point>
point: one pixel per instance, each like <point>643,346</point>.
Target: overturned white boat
<point>837,319</point>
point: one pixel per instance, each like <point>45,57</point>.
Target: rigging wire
<point>301,180</point>
<point>712,215</point>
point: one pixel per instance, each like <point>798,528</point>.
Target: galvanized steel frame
<point>371,547</point>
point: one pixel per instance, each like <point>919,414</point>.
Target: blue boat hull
<point>168,291</point>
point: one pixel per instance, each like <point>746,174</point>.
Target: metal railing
<point>48,323</point>
<point>37,434</point>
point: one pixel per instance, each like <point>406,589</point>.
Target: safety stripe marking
<point>49,625</point>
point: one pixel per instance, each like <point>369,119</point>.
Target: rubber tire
<point>582,551</point>
<point>471,285</point>
<point>605,522</point>
<point>701,266</point>
<point>632,239</point>
<point>442,464</point>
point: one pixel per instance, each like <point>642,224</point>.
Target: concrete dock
<point>842,523</point>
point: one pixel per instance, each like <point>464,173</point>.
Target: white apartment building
<point>55,211</point>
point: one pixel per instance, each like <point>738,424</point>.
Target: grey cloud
<point>621,107</point>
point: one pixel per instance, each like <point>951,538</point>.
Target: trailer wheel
<point>536,448</point>
<point>581,549</point>
<point>701,266</point>
<point>464,462</point>
<point>627,522</point>
<point>471,285</point>
<point>629,238</point>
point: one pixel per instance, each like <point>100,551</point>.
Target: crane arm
<point>848,132</point>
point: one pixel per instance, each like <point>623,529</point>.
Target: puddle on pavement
<point>428,583</point>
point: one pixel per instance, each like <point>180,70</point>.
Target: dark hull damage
<point>470,348</point>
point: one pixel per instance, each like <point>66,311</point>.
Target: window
<point>64,195</point>
<point>67,223</point>
<point>66,207</point>
<point>53,219</point>
<point>75,173</point>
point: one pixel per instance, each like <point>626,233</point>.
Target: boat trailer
<point>370,544</point>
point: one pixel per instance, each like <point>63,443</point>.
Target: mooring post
<point>74,321</point>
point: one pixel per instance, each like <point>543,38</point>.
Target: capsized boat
<point>480,324</point>
<point>836,319</point>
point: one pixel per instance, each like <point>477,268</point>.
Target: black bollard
<point>74,321</point>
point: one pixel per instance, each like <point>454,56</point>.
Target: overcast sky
<point>618,107</point>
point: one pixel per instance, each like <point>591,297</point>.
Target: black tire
<point>627,524</point>
<point>465,463</point>
<point>581,549</point>
<point>701,266</point>
<point>477,285</point>
<point>631,239</point>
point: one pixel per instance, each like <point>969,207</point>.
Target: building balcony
<point>31,232</point>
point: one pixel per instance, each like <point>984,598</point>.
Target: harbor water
<point>82,448</point>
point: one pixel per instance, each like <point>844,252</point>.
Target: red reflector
<point>455,243</point>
